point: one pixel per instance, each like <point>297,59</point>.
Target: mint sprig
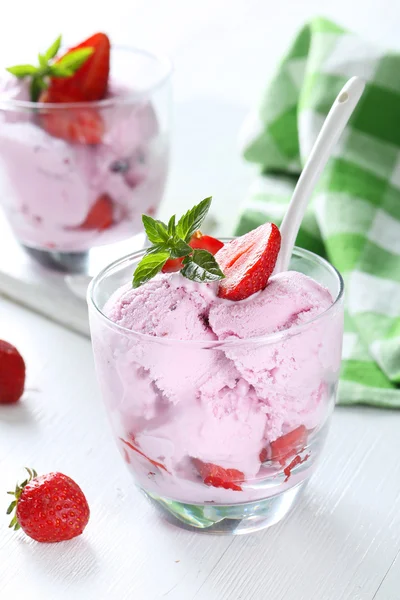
<point>65,67</point>
<point>171,242</point>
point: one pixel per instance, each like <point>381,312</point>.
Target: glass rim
<point>210,344</point>
<point>106,102</point>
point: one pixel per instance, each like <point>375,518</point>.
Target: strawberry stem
<point>19,488</point>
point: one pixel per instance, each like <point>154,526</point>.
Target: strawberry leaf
<point>156,230</point>
<point>149,266</point>
<point>202,267</point>
<point>192,220</point>
<point>13,522</point>
<point>53,49</point>
<point>11,507</point>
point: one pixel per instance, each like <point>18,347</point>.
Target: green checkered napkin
<point>354,216</point>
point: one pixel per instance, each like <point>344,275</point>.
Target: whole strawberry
<point>12,374</point>
<point>49,508</point>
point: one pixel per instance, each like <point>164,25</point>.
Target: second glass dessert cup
<point>221,435</point>
<point>77,176</point>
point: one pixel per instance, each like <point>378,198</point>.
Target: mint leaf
<point>179,248</point>
<point>65,67</point>
<point>21,71</point>
<point>149,266</point>
<point>156,230</point>
<point>191,221</point>
<point>53,49</point>
<point>75,59</point>
<point>157,248</point>
<point>201,266</point>
<point>42,61</point>
<point>171,226</point>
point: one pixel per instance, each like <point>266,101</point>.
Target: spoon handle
<point>332,129</point>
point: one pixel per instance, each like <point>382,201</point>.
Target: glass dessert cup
<point>221,435</point>
<point>64,197</point>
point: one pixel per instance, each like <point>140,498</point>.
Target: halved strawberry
<point>100,216</point>
<point>90,81</point>
<point>248,261</point>
<point>76,125</point>
<point>198,240</point>
<point>218,476</point>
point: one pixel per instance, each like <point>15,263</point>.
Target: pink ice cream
<point>189,381</point>
<point>50,185</point>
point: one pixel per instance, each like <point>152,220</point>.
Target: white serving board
<point>30,284</point>
<point>58,297</point>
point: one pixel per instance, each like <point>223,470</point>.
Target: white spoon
<point>331,130</point>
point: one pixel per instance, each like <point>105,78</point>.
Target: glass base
<point>88,262</point>
<point>234,519</point>
<point>64,262</point>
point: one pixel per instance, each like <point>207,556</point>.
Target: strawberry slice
<point>294,463</point>
<point>198,240</point>
<point>218,476</point>
<point>100,216</point>
<point>132,446</point>
<point>205,242</point>
<point>286,446</point>
<point>289,444</point>
<point>172,265</point>
<point>75,125</point>
<point>90,81</point>
<point>248,261</point>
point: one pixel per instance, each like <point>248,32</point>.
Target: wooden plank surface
<point>343,540</point>
<point>340,543</point>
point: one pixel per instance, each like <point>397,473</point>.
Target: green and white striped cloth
<point>354,216</point>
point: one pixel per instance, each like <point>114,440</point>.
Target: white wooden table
<point>343,540</point>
